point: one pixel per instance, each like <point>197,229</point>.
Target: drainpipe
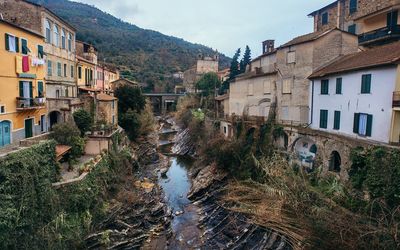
<point>312,102</point>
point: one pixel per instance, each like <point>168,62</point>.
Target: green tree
<point>130,122</point>
<point>83,120</point>
<point>130,97</point>
<point>234,69</point>
<point>69,134</point>
<point>246,60</point>
<point>208,83</point>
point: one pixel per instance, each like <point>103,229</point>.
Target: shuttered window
<point>59,73</point>
<point>11,43</point>
<point>80,72</point>
<point>324,87</point>
<point>336,120</point>
<point>267,87</point>
<point>49,68</point>
<point>291,57</point>
<point>323,119</point>
<point>325,18</point>
<point>366,84</point>
<point>352,29</point>
<point>287,86</point>
<point>338,86</point>
<point>72,70</point>
<point>250,89</point>
<point>353,6</point>
<point>65,70</point>
<point>24,45</point>
<point>363,124</point>
<point>40,90</point>
<point>40,52</point>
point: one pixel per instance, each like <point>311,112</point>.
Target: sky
<point>224,25</point>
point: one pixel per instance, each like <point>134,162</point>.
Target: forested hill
<point>146,55</point>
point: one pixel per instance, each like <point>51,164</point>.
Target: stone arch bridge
<point>163,102</point>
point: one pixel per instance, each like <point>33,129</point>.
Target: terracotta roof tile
<point>378,56</point>
<point>105,97</point>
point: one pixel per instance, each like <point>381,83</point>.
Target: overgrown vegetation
<point>83,120</point>
<point>34,215</point>
<point>70,135</point>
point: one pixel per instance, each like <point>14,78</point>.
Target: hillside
<point>144,55</point>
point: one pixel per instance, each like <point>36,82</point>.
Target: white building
<point>353,96</point>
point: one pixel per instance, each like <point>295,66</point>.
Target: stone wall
<point>22,13</point>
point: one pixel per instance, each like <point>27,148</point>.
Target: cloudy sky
<point>221,24</point>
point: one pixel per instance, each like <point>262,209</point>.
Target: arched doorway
<point>5,133</point>
<point>54,117</point>
<point>335,162</point>
<point>306,150</point>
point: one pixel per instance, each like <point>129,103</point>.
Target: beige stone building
<point>107,109</point>
<point>376,22</point>
<point>59,51</point>
<point>205,64</point>
<point>296,60</point>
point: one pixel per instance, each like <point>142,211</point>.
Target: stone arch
<point>335,162</point>
<point>282,141</point>
<point>305,150</point>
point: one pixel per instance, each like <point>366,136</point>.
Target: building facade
<point>22,83</point>
<point>86,55</point>
<point>105,75</point>
<point>205,64</point>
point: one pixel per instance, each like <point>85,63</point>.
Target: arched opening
<point>55,117</point>
<point>313,149</point>
<point>335,162</point>
<point>306,151</point>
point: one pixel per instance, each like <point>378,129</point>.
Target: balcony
<point>380,36</point>
<point>24,104</point>
<point>396,99</point>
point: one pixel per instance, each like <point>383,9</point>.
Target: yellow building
<point>86,56</point>
<point>22,73</point>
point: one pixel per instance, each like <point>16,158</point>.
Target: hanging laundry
<point>18,64</point>
<point>25,63</point>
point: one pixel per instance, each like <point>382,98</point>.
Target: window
<point>325,18</point>
<point>285,113</point>
<point>12,43</point>
<point>392,18</point>
<point>72,71</point>
<point>363,124</point>
<point>291,57</point>
<point>2,109</point>
<point>66,92</point>
<point>63,38</point>
<point>353,6</point>
<point>56,36</point>
<point>49,68</point>
<point>59,73</point>
<point>323,119</point>
<point>267,87</point>
<point>26,90</point>
<point>40,90</point>
<point>65,70</point>
<point>336,120</point>
<point>40,52</point>
<point>338,86</point>
<point>366,84</point>
<point>80,72</point>
<point>57,93</point>
<point>24,45</point>
<point>250,89</point>
<point>48,31</point>
<point>69,42</point>
<point>287,86</point>
<point>352,29</point>
<point>325,87</point>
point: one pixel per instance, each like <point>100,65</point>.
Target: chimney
<point>268,46</point>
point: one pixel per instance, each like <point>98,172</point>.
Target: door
<point>5,133</point>
<point>43,125</point>
<point>28,128</point>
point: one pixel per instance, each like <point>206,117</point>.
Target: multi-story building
<point>86,56</point>
<point>205,64</point>
<point>296,60</point>
<point>105,76</point>
<point>352,96</point>
<point>59,50</point>
<point>22,83</point>
<point>376,22</point>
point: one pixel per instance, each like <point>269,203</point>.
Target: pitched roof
<point>307,38</point>
<point>375,57</point>
<point>105,97</point>
<point>323,8</point>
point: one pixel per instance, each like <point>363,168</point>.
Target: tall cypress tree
<point>246,60</point>
<point>234,69</point>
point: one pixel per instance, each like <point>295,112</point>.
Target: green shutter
<point>369,125</point>
<point>21,89</point>
<point>40,89</point>
<point>40,51</point>
<point>356,124</point>
<point>7,45</point>
<point>366,84</point>
<point>338,86</point>
<point>30,90</point>
<point>368,79</point>
<point>323,119</point>
<point>24,44</point>
<point>336,122</point>
<point>16,44</point>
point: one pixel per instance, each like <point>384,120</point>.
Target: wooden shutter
<point>356,123</point>
<point>7,45</point>
<point>40,51</point>
<point>40,89</point>
<point>323,119</point>
<point>24,44</point>
<point>21,89</point>
<point>16,44</point>
<point>30,90</point>
<point>336,122</point>
<point>369,125</point>
<point>338,86</point>
<point>366,84</point>
<point>324,87</point>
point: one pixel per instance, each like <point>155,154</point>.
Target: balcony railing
<point>30,103</point>
<point>379,35</point>
<point>396,99</point>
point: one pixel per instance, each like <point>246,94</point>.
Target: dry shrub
<point>147,120</point>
